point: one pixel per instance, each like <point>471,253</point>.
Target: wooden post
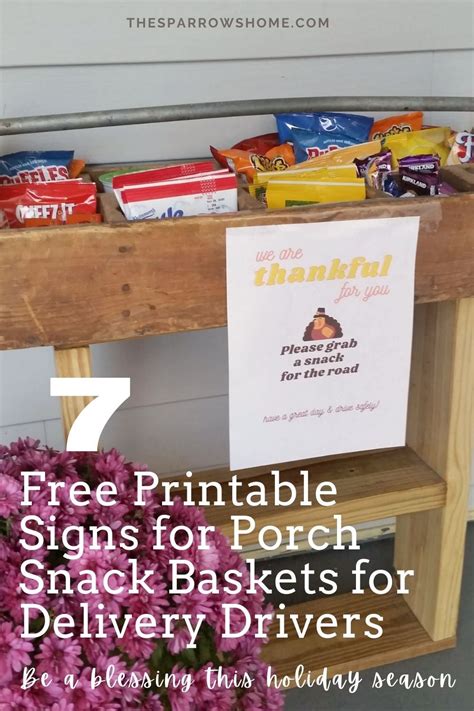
<point>440,425</point>
<point>73,363</point>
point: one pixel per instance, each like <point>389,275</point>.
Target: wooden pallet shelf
<point>403,638</point>
<point>369,487</point>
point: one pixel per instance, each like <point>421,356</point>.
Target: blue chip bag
<point>307,144</point>
<point>286,123</point>
<point>351,125</point>
<point>335,130</point>
<point>35,166</point>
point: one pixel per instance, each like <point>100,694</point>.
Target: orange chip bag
<point>248,164</point>
<point>76,166</point>
<point>393,125</point>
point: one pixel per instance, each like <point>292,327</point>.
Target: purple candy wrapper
<point>420,183</point>
<point>446,189</point>
<point>420,164</point>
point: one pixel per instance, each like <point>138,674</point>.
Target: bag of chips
<point>309,145</point>
<point>342,156</point>
<point>248,164</point>
<point>428,141</point>
<point>327,123</point>
<point>54,200</point>
<point>35,166</point>
<point>462,149</point>
<point>393,125</point>
<point>259,144</point>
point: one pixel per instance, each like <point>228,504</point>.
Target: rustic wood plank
<point>369,487</point>
<point>73,363</point>
<point>440,430</point>
<point>69,286</point>
<point>403,637</point>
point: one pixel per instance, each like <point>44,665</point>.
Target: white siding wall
<point>177,415</point>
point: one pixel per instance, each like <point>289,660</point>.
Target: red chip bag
<point>54,201</point>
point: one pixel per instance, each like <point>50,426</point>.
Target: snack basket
<point>69,287</point>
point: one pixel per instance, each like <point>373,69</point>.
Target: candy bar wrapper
<point>181,198</point>
<point>446,189</point>
<point>428,141</point>
<point>54,200</point>
<point>420,164</point>
<point>377,168</point>
<point>462,149</point>
<point>35,166</point>
<point>420,183</point>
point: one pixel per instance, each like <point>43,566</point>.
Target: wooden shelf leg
<point>73,363</point>
<point>440,426</point>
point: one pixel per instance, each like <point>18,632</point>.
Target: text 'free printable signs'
<point>320,322</point>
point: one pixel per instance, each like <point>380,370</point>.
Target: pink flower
<point>59,657</point>
<point>14,651</point>
<point>10,496</point>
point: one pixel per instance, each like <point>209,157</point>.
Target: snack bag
<point>76,166</point>
<point>420,164</point>
<point>462,149</point>
<point>259,144</point>
<point>181,198</point>
<point>287,193</point>
<point>427,141</point>
<point>342,156</point>
<point>308,144</point>
<point>286,123</point>
<point>393,125</point>
<point>328,123</point>
<point>54,200</point>
<point>35,166</point>
<point>248,164</point>
<point>336,172</point>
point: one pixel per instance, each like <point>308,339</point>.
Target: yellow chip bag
<point>426,142</point>
<point>287,193</point>
<point>340,156</point>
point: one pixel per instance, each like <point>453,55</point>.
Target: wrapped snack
<point>287,193</point>
<point>462,148</point>
<point>54,201</point>
<point>155,175</point>
<point>259,144</point>
<point>446,189</point>
<point>336,172</point>
<point>420,164</point>
<point>419,183</point>
<point>393,125</point>
<point>391,185</point>
<point>343,156</point>
<point>333,125</point>
<point>181,198</point>
<point>75,168</point>
<point>374,168</point>
<point>286,123</point>
<point>427,141</point>
<point>308,144</point>
<point>248,164</point>
<point>35,166</point>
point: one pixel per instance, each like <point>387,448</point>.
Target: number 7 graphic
<point>109,394</point>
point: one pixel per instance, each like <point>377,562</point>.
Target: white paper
<point>285,406</point>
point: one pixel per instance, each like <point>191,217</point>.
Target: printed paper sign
<point>320,328</point>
